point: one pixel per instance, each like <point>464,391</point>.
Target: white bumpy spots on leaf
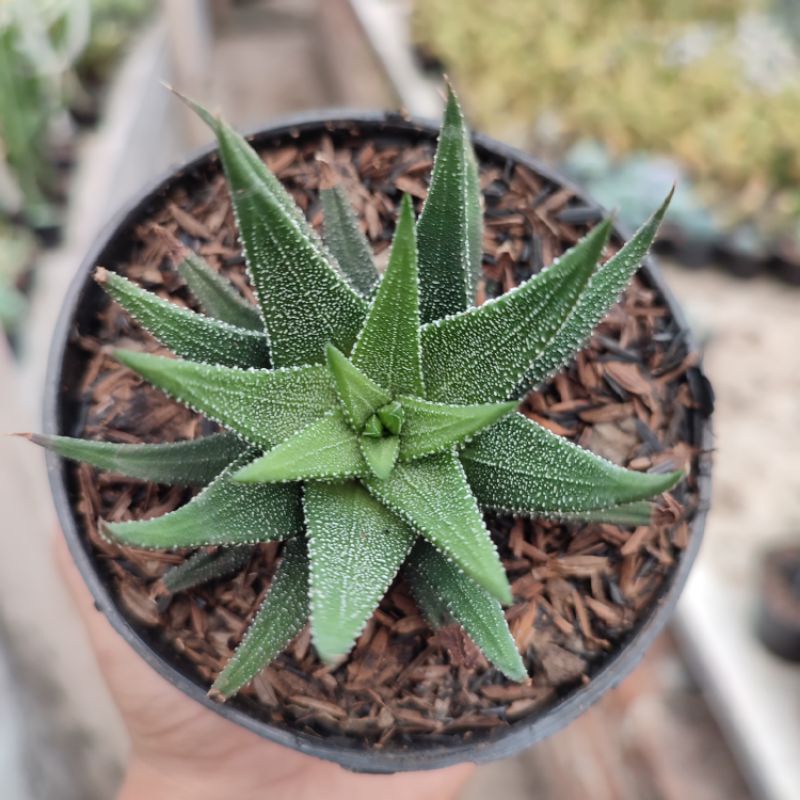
<point>482,354</point>
<point>356,546</point>
<point>433,496</point>
<point>225,512</point>
<point>304,301</point>
<point>326,449</point>
<point>281,617</point>
<point>443,590</point>
<point>450,228</point>
<point>186,333</point>
<point>430,427</point>
<point>360,396</point>
<point>347,243</point>
<point>192,463</point>
<point>217,295</point>
<point>388,347</point>
<point>522,468</point>
<point>603,291</point>
<point>262,406</point>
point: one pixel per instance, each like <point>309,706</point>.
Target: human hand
<point>181,750</point>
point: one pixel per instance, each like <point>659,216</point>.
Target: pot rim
<point>418,756</point>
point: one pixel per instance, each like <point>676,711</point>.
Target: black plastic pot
<point>62,412</point>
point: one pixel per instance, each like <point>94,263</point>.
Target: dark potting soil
<point>579,588</point>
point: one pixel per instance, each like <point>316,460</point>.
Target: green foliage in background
<point>712,83</point>
<point>50,50</point>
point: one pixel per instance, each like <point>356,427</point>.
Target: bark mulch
<point>580,588</point>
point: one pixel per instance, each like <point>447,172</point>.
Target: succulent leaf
<point>225,512</point>
<point>347,243</point>
<point>204,566</point>
<point>186,333</point>
<point>392,417</point>
<point>388,346</point>
<point>442,589</point>
<point>637,513</point>
<point>432,495</point>
<point>482,354</point>
<point>430,427</point>
<point>191,463</point>
<point>380,453</point>
<point>604,290</point>
<point>263,406</point>
<point>521,468</point>
<point>355,548</point>
<point>326,449</point>
<point>450,228</point>
<point>360,396</point>
<point>217,296</point>
<point>282,615</point>
<point>304,301</point>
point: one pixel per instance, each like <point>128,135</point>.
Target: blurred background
<point>624,96</point>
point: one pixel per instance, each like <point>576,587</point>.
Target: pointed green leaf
<point>604,290</point>
<point>431,427</point>
<point>380,454</point>
<point>225,512</point>
<point>263,406</point>
<point>392,416</point>
<point>346,242</point>
<point>355,547</point>
<point>433,496</point>
<point>202,567</point>
<point>482,354</point>
<point>195,462</point>
<point>449,230</point>
<point>442,589</point>
<point>260,173</point>
<point>360,396</point>
<point>304,301</point>
<point>280,618</point>
<point>327,448</point>
<point>638,513</point>
<point>373,428</point>
<point>388,347</point>
<point>186,333</point>
<point>217,296</point>
<point>520,467</point>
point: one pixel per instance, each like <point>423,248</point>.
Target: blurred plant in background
<point>54,57</point>
<point>707,91</point>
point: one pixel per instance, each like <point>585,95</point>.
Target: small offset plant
<point>369,421</point>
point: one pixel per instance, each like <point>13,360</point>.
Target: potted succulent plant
<point>398,560</point>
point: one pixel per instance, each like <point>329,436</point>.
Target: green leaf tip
<point>380,454</point>
<point>431,427</point>
<point>184,332</point>
<point>325,449</point>
<point>356,547</point>
<point>304,300</point>
<point>282,615</point>
<point>443,591</point>
<point>482,354</point>
<point>392,416</point>
<point>360,396</point>
<point>388,346</point>
<point>450,228</point>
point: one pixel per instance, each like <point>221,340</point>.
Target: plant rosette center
<point>368,421</point>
